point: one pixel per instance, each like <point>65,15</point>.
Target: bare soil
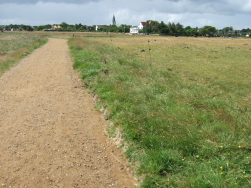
<point>50,133</point>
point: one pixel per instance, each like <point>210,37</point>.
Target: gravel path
<point>50,133</point>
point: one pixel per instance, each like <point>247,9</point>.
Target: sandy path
<point>50,133</point>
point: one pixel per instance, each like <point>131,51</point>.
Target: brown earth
<point>50,133</point>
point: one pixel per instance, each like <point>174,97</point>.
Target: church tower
<point>113,20</point>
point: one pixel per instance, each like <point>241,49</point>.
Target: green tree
<point>179,29</point>
<point>40,28</point>
<point>79,26</point>
<point>48,26</point>
<point>245,31</point>
<point>225,30</point>
<point>29,28</point>
<point>64,25</point>
<point>23,27</point>
<point>43,27</point>
<point>7,28</point>
<point>152,26</point>
<point>123,28</point>
<point>189,31</point>
<point>113,28</point>
<point>172,28</point>
<point>163,28</point>
<point>207,30</point>
<point>11,26</point>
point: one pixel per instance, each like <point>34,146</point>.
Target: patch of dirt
<point>50,133</point>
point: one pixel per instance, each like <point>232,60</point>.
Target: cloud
<point>50,13</point>
<point>46,1</point>
<point>195,13</point>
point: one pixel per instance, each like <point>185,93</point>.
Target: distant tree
<point>48,26</point>
<point>152,26</point>
<point>7,28</point>
<point>11,26</point>
<point>207,30</point>
<point>172,28</point>
<point>43,27</point>
<point>225,30</point>
<point>187,28</point>
<point>155,26</point>
<point>70,28</point>
<point>23,27</point>
<point>27,28</point>
<point>163,28</point>
<point>123,28</point>
<point>246,32</point>
<point>14,27</point>
<point>78,26</point>
<point>179,29</point>
<point>64,25</point>
<point>40,28</point>
<point>113,28</point>
<point>189,31</point>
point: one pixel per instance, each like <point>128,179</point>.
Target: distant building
<point>89,28</point>
<point>113,20</point>
<point>142,25</point>
<point>56,27</point>
<point>15,27</point>
<point>236,32</point>
<point>136,29</point>
<point>101,27</point>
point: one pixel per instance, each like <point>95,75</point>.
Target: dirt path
<point>50,133</point>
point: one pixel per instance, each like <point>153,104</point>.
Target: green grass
<point>184,112</point>
<point>15,45</point>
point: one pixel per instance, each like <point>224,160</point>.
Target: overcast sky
<point>194,13</point>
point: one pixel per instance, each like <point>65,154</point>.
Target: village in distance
<point>146,27</point>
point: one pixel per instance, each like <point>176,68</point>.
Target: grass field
<point>16,45</point>
<point>182,105</point>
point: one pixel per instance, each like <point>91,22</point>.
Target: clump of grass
<point>186,116</point>
<point>14,46</point>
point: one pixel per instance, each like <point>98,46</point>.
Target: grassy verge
<point>183,107</point>
<point>14,46</point>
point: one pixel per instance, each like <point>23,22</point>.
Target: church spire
<point>113,20</point>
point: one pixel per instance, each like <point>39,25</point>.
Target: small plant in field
<point>150,51</point>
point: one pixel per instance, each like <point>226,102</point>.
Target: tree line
<point>178,29</point>
<point>152,27</point>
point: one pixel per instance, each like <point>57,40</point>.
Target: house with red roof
<point>136,29</point>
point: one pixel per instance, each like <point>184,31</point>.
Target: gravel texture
<point>50,133</point>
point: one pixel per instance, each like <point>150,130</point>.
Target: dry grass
<point>196,60</point>
<point>15,45</point>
